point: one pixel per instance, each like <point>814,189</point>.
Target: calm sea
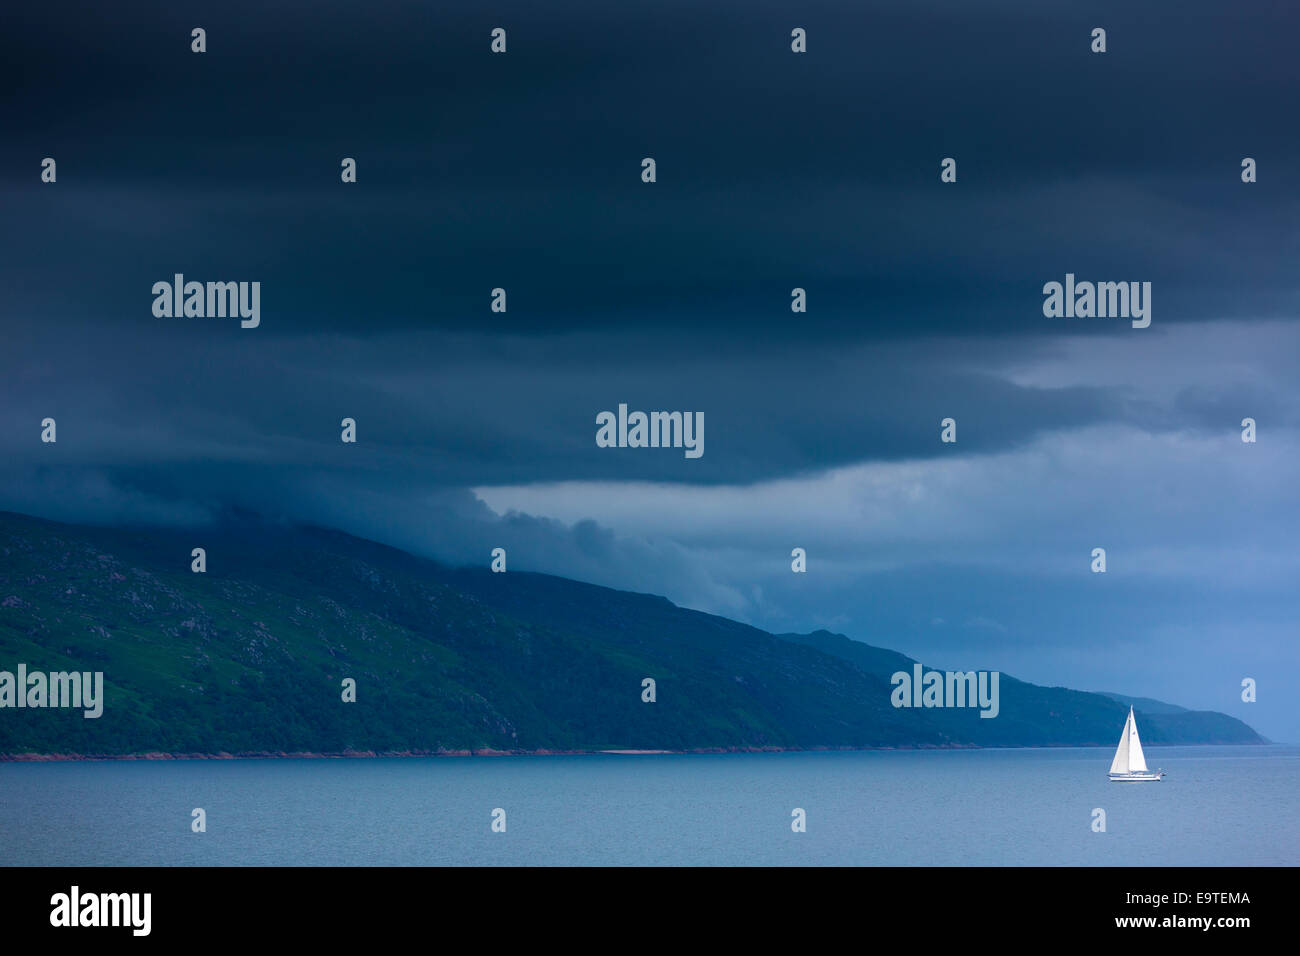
<point>1218,806</point>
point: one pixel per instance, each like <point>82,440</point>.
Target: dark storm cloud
<point>440,410</point>
<point>521,171</point>
<point>775,170</point>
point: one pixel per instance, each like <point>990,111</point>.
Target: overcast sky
<point>775,170</point>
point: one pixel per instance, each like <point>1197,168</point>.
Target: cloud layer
<point>821,171</point>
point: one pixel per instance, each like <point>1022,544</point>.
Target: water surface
<point>1219,806</point>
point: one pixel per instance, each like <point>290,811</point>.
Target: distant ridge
<point>1043,716</point>
<point>249,658</point>
<point>1146,704</point>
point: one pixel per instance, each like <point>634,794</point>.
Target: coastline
<point>545,752</point>
<point>484,752</point>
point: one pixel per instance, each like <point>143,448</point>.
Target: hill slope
<point>249,657</point>
<point>1031,715</point>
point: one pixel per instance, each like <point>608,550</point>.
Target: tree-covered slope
<point>250,656</point>
<point>1030,715</point>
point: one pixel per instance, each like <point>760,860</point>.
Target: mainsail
<point>1128,755</point>
<point>1120,763</point>
<point>1137,761</point>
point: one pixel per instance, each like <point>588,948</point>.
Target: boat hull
<point>1136,777</point>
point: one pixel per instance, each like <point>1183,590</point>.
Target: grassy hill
<point>250,656</point>
<point>1031,715</point>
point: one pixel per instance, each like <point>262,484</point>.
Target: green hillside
<point>249,657</point>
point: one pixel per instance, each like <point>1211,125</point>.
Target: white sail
<point>1137,761</point>
<point>1130,762</point>
<point>1120,763</point>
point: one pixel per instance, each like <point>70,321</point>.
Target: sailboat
<point>1130,763</point>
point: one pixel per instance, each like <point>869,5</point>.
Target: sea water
<point>1218,806</point>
